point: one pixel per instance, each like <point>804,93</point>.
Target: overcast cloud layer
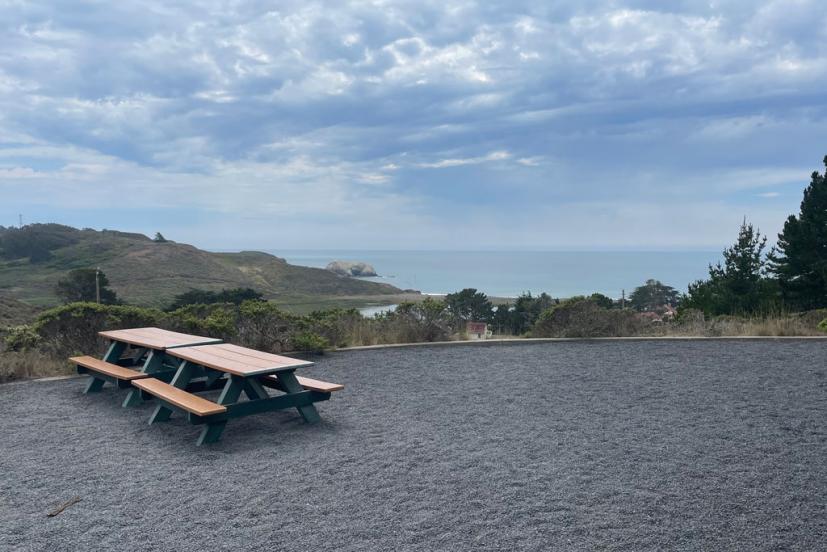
<point>588,124</point>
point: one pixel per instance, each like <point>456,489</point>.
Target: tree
<point>602,300</point>
<point>799,260</point>
<point>469,304</point>
<point>423,321</point>
<point>35,241</point>
<point>739,285</point>
<point>653,295</point>
<point>159,238</point>
<point>79,285</point>
<point>527,310</point>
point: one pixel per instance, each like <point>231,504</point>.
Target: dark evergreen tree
<point>738,285</point>
<point>799,260</point>
<point>469,305</point>
<point>527,309</point>
<point>602,301</point>
<point>79,285</point>
<point>653,295</point>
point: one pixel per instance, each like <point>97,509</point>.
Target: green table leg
<point>153,363</point>
<point>254,389</point>
<point>180,380</point>
<point>211,433</point>
<point>292,385</point>
<point>212,376</point>
<point>229,395</point>
<point>112,355</point>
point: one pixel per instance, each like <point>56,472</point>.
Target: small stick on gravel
<point>65,505</point>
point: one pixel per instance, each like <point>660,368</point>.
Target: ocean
<point>510,273</point>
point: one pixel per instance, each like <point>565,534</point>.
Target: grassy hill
<point>145,272</point>
<point>13,312</point>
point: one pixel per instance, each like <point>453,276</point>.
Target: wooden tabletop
<point>156,338</point>
<point>236,360</point>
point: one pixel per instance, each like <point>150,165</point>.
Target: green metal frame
<point>180,380</point>
<point>259,400</point>
<point>153,364</point>
<point>96,380</point>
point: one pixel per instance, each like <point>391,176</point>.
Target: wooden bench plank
<point>308,383</point>
<point>178,397</point>
<point>107,368</point>
<point>319,385</point>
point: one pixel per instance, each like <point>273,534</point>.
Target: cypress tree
<point>799,260</point>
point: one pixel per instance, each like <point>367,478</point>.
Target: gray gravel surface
<point>641,445</point>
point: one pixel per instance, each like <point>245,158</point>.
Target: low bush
<point>266,327</point>
<point>309,342</point>
<point>582,317</point>
<point>20,338</point>
<point>413,323</point>
<point>218,320</point>
<point>73,329</point>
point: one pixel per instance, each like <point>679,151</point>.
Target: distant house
<point>477,330</point>
<point>651,317</point>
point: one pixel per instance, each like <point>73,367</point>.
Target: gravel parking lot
<point>611,445</point>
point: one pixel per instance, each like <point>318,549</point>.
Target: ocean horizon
<point>511,273</point>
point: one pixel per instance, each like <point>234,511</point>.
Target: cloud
<point>458,162</point>
<point>396,115</point>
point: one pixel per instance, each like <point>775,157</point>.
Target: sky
<point>583,124</point>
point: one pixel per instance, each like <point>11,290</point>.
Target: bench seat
<point>179,398</point>
<point>308,383</point>
<point>106,369</point>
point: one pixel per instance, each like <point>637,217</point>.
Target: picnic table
<point>148,347</point>
<point>173,367</point>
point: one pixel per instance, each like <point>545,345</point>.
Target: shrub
<point>428,320</point>
<point>73,328</point>
<point>235,296</point>
<point>814,317</point>
<point>823,325</point>
<point>581,317</point>
<point>262,325</point>
<point>218,321</point>
<point>309,342</point>
<point>21,338</point>
<point>341,327</point>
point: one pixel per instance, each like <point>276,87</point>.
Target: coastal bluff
<point>145,272</point>
<point>351,268</point>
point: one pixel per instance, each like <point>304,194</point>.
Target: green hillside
<point>146,272</point>
<point>13,312</point>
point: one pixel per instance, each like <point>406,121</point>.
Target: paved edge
<point>520,341</point>
<point>568,339</point>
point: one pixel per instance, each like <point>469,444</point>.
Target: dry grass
<point>30,364</point>
<point>793,325</point>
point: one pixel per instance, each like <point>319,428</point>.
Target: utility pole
<point>623,299</point>
<point>97,284</point>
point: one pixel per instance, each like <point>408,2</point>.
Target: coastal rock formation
<point>351,268</point>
